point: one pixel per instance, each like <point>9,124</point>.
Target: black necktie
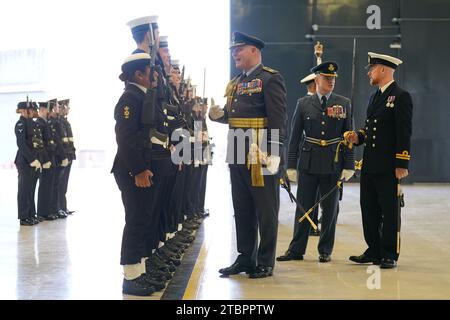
<point>324,103</point>
<point>377,95</point>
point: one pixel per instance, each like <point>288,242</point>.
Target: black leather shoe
<point>41,218</point>
<point>364,259</point>
<point>69,212</point>
<point>137,287</point>
<point>156,263</point>
<point>236,268</point>
<point>165,262</point>
<point>315,233</point>
<point>184,238</point>
<point>168,258</point>
<point>169,254</point>
<point>190,225</point>
<point>51,217</point>
<point>261,272</point>
<point>27,222</point>
<point>185,233</point>
<point>323,257</point>
<point>153,268</point>
<point>152,281</point>
<point>61,214</point>
<point>174,249</point>
<point>158,275</point>
<point>35,220</point>
<point>388,263</point>
<point>176,243</point>
<point>202,214</point>
<point>288,256</point>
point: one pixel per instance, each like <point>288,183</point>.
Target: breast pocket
<point>308,124</point>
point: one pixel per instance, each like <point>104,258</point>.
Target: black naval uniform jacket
<point>387,132</point>
<point>161,156</point>
<point>127,113</point>
<point>37,140</point>
<point>49,144</point>
<point>161,163</point>
<point>175,119</point>
<point>70,145</point>
<point>311,121</point>
<point>58,137</point>
<point>25,154</point>
<point>268,100</point>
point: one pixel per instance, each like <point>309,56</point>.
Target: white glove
<point>47,165</point>
<point>292,175</point>
<point>215,112</point>
<point>272,163</point>
<point>347,174</point>
<point>36,164</point>
<point>65,162</point>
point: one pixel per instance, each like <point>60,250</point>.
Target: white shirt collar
<point>144,89</point>
<point>327,96</point>
<point>249,72</point>
<point>383,89</point>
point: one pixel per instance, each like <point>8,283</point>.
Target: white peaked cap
<point>308,78</point>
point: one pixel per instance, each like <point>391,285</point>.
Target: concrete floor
<point>78,258</point>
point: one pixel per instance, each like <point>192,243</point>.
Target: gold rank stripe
<point>402,157</point>
<point>254,123</point>
<point>329,74</point>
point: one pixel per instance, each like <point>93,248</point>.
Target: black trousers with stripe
<point>379,208</point>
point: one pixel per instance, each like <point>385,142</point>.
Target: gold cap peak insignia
<point>330,67</point>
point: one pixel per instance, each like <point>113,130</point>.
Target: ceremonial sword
<point>285,185</point>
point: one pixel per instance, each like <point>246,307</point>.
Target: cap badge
<point>330,67</point>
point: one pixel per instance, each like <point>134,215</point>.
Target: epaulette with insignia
<point>270,70</point>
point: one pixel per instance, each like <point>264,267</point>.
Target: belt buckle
<point>323,143</point>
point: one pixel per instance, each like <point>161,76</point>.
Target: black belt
<point>323,143</point>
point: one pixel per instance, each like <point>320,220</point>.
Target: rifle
<point>182,84</point>
<point>352,94</point>
<point>148,110</point>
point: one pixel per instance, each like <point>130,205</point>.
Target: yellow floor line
<point>193,285</point>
